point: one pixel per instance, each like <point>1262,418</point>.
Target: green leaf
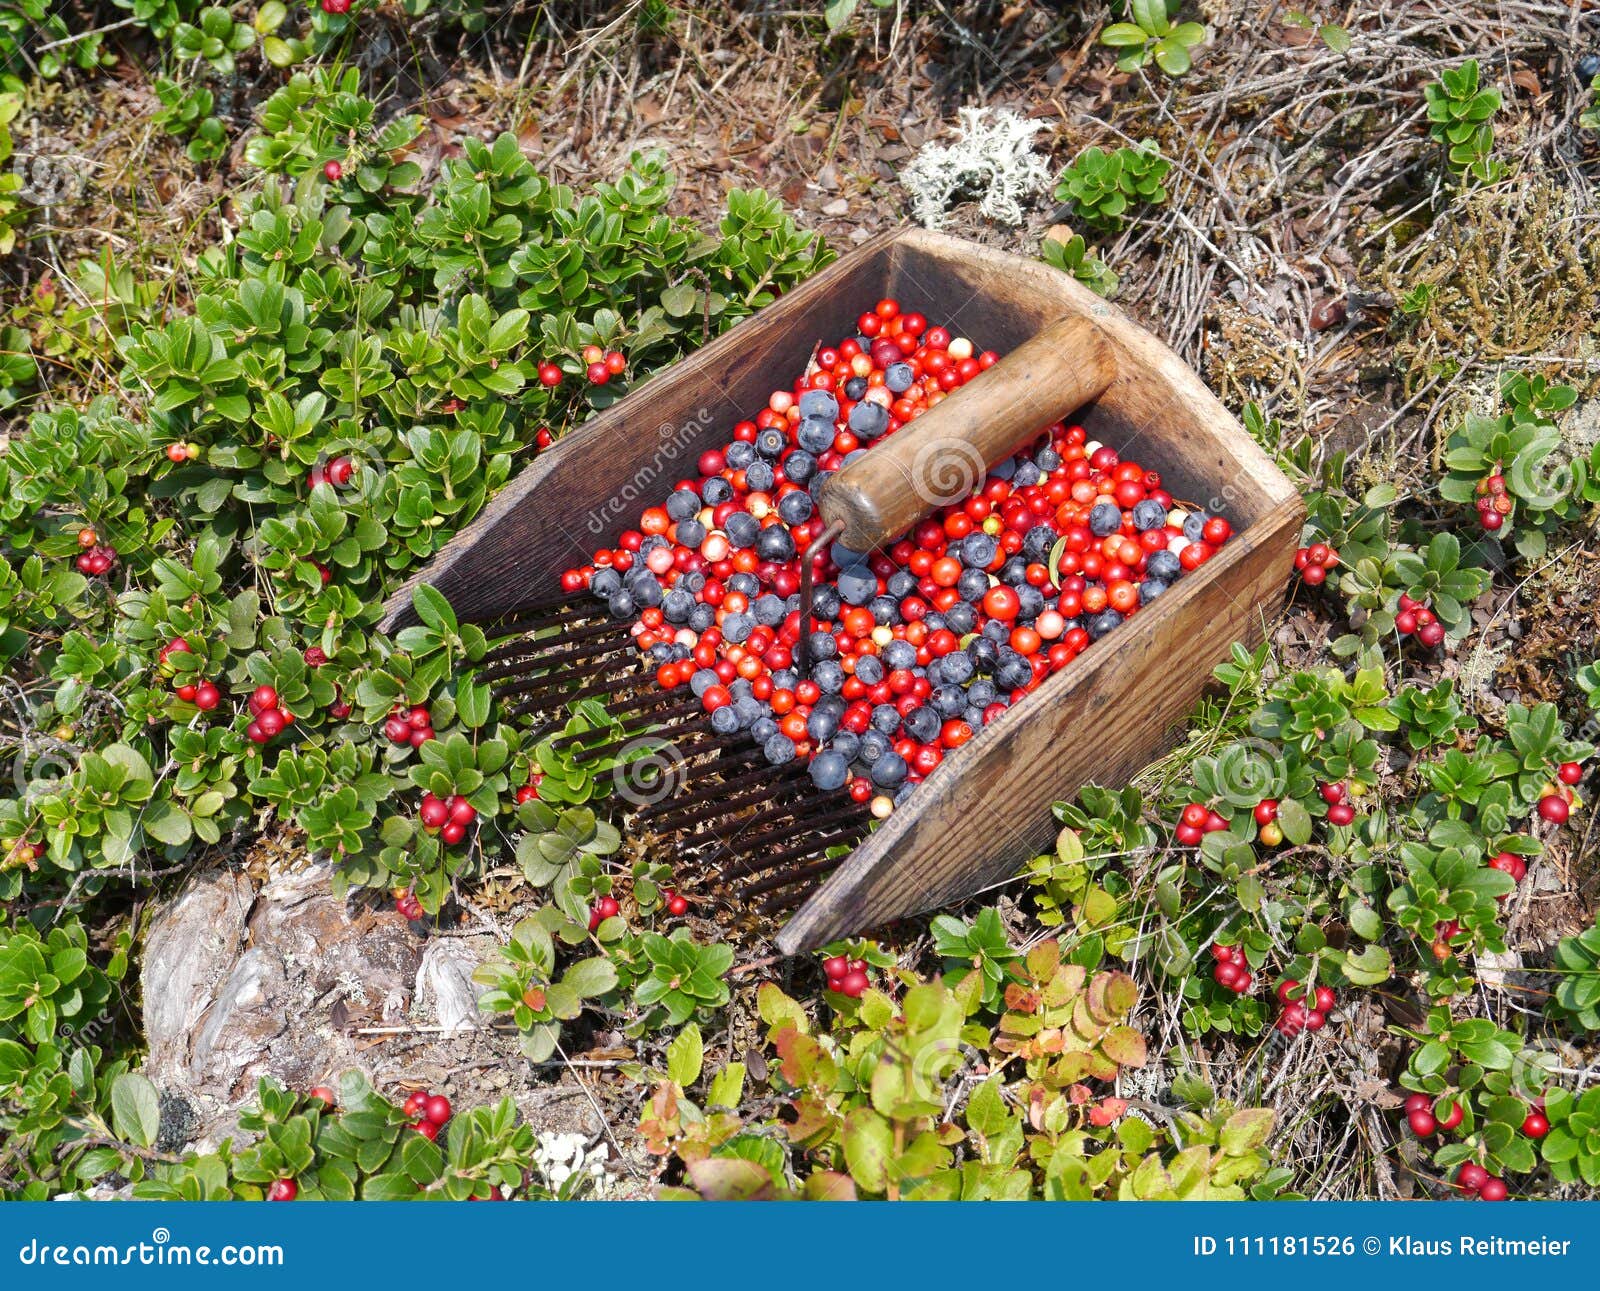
<point>684,1057</point>
<point>135,1109</point>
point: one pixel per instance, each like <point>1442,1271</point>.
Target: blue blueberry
<point>823,645</point>
<point>742,529</point>
<point>899,654</point>
<point>1104,520</point>
<point>815,436</point>
<point>957,667</point>
<point>775,543</point>
<point>739,455</point>
<point>978,550</point>
<point>829,770</point>
<point>922,725</point>
<point>857,586</point>
<point>1105,621</point>
<point>819,403</point>
<point>1149,514</point>
<point>1150,589</point>
<point>890,770</point>
<point>682,503</point>
<point>677,605</point>
<point>855,387</point>
<point>1194,526</point>
<point>620,605</point>
<point>828,675</point>
<point>605,583</point>
<point>691,533</point>
<point>795,507</point>
<point>971,586</point>
<point>715,490</point>
<point>799,466</point>
<point>874,744</point>
<point>759,477</point>
<point>703,617</point>
<point>778,749</point>
<point>886,718</point>
<point>769,610</point>
<point>869,669</point>
<point>1163,565</point>
<point>771,442</point>
<point>821,725</point>
<point>898,377</point>
<point>869,420</point>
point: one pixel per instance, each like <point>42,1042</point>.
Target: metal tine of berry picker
<point>532,675</point>
<point>513,659</point>
<point>729,799</point>
<point>835,809</point>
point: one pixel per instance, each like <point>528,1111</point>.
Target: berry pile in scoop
<point>914,646</point>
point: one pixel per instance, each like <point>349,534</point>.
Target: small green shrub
<point>1461,115</point>
<point>1105,188</point>
<point>1150,36</point>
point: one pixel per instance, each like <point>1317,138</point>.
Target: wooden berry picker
<point>878,576</point>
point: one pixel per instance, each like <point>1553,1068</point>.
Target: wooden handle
<point>941,456</point>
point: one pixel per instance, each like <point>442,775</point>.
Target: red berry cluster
<point>1416,618</point>
<point>543,438</point>
<point>335,6</point>
<point>337,471</point>
<point>268,718</point>
<point>1557,800</point>
<point>1337,796</point>
<point>1444,934</point>
<point>1494,503</point>
<point>913,647</point>
<point>428,1112</point>
<point>180,452</point>
<point>530,791</point>
<point>1266,813</point>
<point>604,908</point>
<point>1314,562</point>
<point>846,976</point>
<point>413,726</point>
<point>1424,1119</point>
<point>1197,821</point>
<point>448,817</point>
<point>203,694</point>
<point>410,909</point>
<point>1303,1009</point>
<point>94,559</point>
<point>601,365</point>
<point>1231,972</point>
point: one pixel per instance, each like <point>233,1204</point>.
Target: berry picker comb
<point>767,836</point>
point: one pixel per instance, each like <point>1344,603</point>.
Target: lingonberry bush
<point>195,567</point>
<point>946,1091</point>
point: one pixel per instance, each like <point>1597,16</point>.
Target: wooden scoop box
<point>985,810</point>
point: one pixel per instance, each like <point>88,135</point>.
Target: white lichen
<point>561,1156</point>
<point>991,159</point>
